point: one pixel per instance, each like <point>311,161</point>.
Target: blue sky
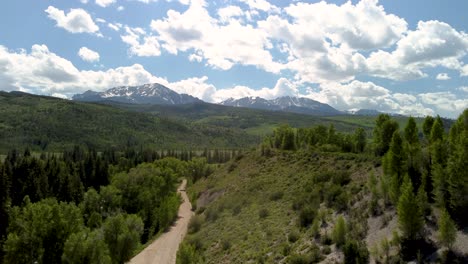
<point>399,56</point>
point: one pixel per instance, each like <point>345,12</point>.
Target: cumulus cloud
<point>195,30</point>
<point>88,55</point>
<point>463,89</point>
<point>105,3</point>
<point>445,103</point>
<point>432,44</point>
<point>442,76</point>
<point>261,5</point>
<point>141,44</point>
<point>76,21</point>
<point>42,71</point>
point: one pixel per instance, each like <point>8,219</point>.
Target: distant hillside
<point>286,104</point>
<point>254,121</point>
<point>52,124</point>
<point>143,94</point>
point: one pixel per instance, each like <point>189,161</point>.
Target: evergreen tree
<point>427,126</point>
<point>456,167</point>
<point>410,217</point>
<point>339,231</point>
<point>395,165</point>
<point>383,133</point>
<point>447,230</point>
<point>360,139</point>
<point>413,149</point>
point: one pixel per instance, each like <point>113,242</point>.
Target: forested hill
<point>52,124</point>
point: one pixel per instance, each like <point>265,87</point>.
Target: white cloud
<point>432,44</point>
<point>120,8</point>
<point>197,31</point>
<point>88,55</point>
<point>362,26</point>
<point>141,44</point>
<point>105,3</point>
<point>463,89</point>
<point>228,12</point>
<point>445,103</point>
<point>43,72</point>
<point>261,5</point>
<point>367,95</point>
<point>76,21</point>
<point>115,26</point>
<point>84,1</point>
<point>442,76</point>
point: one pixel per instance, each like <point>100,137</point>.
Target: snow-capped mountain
<point>154,93</point>
<point>286,103</point>
<point>364,112</point>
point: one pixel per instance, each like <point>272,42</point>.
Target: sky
<point>397,56</point>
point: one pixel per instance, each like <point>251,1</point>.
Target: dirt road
<point>164,249</point>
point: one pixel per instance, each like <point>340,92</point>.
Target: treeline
<point>328,139</point>
<point>87,207</point>
<point>423,171</point>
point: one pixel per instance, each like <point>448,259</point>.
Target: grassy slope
<point>250,184</point>
<point>253,121</point>
<point>54,124</point>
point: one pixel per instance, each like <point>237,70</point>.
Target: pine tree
<point>457,182</point>
<point>383,132</point>
<point>447,230</point>
<point>339,232</point>
<point>427,126</point>
<point>395,165</point>
<point>360,139</point>
<point>410,217</point>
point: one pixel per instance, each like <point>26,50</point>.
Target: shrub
<point>276,196</point>
<point>307,215</point>
<point>293,236</point>
<point>355,253</point>
<point>339,232</point>
<point>263,213</point>
<point>195,224</point>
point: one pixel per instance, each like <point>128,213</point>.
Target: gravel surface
<point>164,249</point>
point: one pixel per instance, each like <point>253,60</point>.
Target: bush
<point>263,213</point>
<point>293,236</point>
<point>187,254</point>
<point>307,216</point>
<point>339,232</point>
<point>226,244</point>
<point>212,213</point>
<point>195,224</point>
<point>355,253</point>
<point>276,196</point>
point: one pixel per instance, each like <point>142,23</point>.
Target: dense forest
<point>322,195</point>
<point>87,207</point>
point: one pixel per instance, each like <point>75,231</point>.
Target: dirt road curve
<point>164,249</point>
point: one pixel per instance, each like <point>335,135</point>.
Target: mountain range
<point>157,94</point>
<point>154,93</point>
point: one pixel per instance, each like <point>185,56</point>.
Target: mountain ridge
<point>152,93</point>
<point>300,105</point>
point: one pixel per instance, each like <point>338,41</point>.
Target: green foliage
<point>427,126</point>
<point>86,247</point>
<point>187,254</point>
<point>456,167</point>
<point>384,129</point>
<point>38,231</point>
<point>355,252</point>
<point>360,139</point>
<point>51,124</point>
<point>122,235</point>
<point>437,130</point>
<point>339,231</point>
<point>447,230</point>
<point>284,138</point>
<point>410,215</point>
<point>195,224</point>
